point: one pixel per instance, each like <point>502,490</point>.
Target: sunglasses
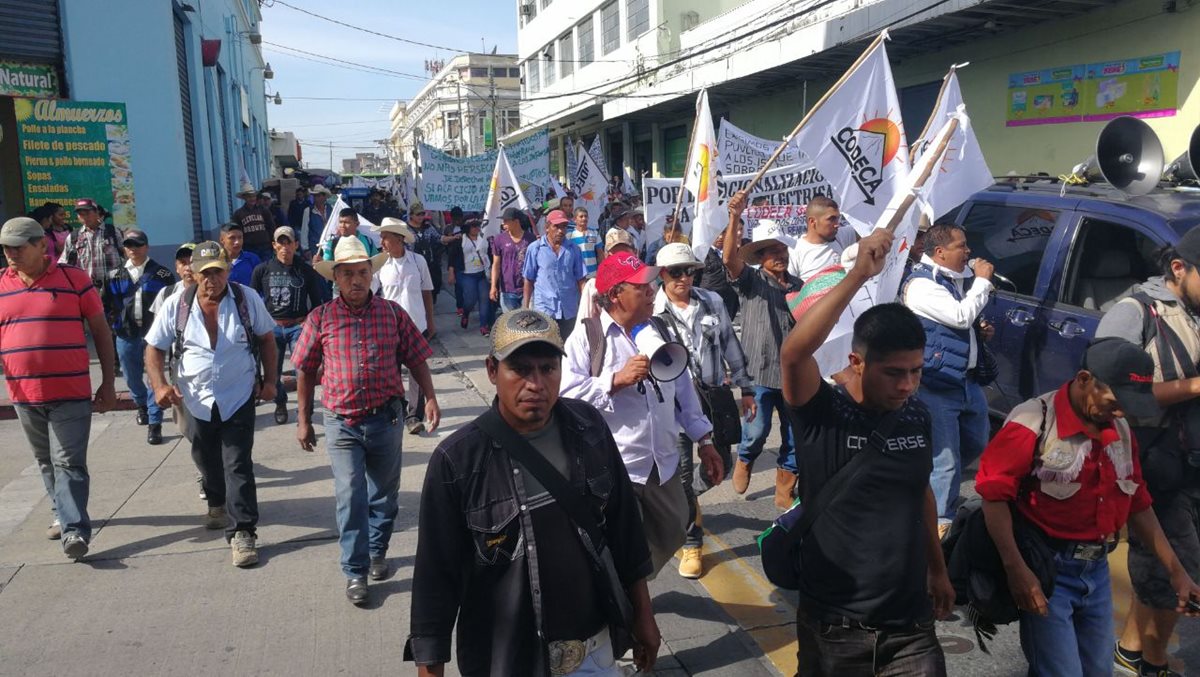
<point>676,273</point>
<point>283,239</point>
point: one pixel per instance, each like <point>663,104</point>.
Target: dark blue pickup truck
<point>1061,261</point>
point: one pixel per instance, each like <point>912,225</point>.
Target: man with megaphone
<point>622,365</point>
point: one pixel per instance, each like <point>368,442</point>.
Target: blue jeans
<point>58,434</point>
<point>133,364</point>
<point>511,301</point>
<point>285,337</point>
<point>960,432</point>
<point>755,433</point>
<point>476,290</point>
<point>1076,636</point>
<point>365,458</point>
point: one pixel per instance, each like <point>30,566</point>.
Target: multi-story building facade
<point>186,79</point>
<point>468,104</point>
<point>628,70</point>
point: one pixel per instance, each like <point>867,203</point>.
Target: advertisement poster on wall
<point>1144,87</point>
<point>76,149</point>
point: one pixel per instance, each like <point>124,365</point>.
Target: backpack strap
<point>596,343</point>
<point>1167,342</point>
<point>188,298</point>
<point>243,311</point>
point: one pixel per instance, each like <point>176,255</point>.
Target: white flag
<point>559,191</point>
<point>597,154</point>
<point>700,180</point>
<point>505,192</point>
<point>627,186</point>
<point>591,189</point>
<point>856,139</point>
<point>365,227</point>
<point>962,171</point>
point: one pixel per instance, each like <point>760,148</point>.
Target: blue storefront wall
<point>125,51</point>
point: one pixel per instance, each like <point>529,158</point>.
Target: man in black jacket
<point>128,296</point>
<point>498,552</point>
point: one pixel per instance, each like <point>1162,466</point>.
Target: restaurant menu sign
<point>76,149</point>
<point>28,79</point>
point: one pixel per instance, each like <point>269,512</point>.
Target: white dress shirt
<point>224,375</point>
<point>646,430</point>
<point>932,301</point>
<point>403,280</point>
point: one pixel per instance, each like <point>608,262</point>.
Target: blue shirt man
<point>241,262</point>
<point>554,274</point>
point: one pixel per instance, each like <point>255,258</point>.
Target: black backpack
<point>186,300</point>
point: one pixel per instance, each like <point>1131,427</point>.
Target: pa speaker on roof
<point>1129,157</point>
<point>1184,166</point>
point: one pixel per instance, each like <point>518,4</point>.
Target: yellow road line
<point>752,602</point>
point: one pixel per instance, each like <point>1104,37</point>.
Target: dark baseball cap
<point>1128,370</point>
<point>1188,246</point>
<point>232,225</point>
<point>185,251</point>
<point>511,214</point>
<point>85,204</point>
<point>134,238</point>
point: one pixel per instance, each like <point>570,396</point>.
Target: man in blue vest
<point>948,297</point>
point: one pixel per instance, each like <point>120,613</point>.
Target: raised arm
<point>730,253</point>
<point>801,376</point>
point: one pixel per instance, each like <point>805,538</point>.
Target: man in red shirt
<point>45,358</point>
<point>361,339</point>
<point>1068,463</point>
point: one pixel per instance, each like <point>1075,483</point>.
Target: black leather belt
<point>367,413</point>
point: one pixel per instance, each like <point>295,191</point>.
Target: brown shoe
<point>785,483</point>
<point>741,476</point>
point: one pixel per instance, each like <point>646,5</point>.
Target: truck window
<point>1012,238</point>
<point>1106,260</point>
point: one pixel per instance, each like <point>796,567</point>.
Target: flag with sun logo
<point>504,192</point>
<point>856,138</point>
<point>962,171</point>
<point>700,180</point>
<point>590,186</point>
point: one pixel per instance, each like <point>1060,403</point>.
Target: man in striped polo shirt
<point>45,359</point>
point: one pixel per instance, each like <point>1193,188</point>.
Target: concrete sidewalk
<point>158,595</point>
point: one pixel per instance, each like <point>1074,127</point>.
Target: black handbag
<point>720,407</point>
<point>618,609</point>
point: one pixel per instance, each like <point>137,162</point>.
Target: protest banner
<point>739,152</point>
<point>791,187</point>
<point>504,192</point>
<point>447,181</point>
<point>572,160</point>
<point>597,154</point>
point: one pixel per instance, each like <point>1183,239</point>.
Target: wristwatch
<point>705,441</point>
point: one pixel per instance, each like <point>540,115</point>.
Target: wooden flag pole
<point>779,151</point>
<point>915,150</point>
<point>687,163</point>
<point>922,178</point>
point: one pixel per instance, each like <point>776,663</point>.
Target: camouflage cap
<point>519,328</point>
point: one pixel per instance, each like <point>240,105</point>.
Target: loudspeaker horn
<point>1129,157</point>
<point>668,359</point>
<point>1184,166</point>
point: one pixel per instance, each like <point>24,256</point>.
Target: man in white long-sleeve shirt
<point>948,298</point>
<point>646,416</point>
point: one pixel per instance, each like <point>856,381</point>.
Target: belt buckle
<point>1089,551</point>
<point>566,656</point>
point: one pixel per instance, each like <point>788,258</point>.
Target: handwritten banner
<point>448,181</point>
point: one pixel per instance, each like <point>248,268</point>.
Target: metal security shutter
<point>189,136</point>
<point>231,179</point>
<point>29,30</point>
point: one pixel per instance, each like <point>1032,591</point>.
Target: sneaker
<point>54,531</point>
<point>216,518</point>
<point>74,546</point>
<point>484,331</point>
<point>1126,661</point>
<point>691,563</point>
<point>154,434</point>
<point>1161,672</point>
<point>281,414</point>
<point>143,416</point>
<point>244,552</point>
<point>415,426</point>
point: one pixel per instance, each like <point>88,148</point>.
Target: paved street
<point>157,594</point>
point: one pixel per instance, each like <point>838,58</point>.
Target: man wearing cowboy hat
<point>766,320</point>
<point>256,221</point>
<point>291,289</point>
<point>404,278</point>
<point>361,340</point>
<point>216,379</point>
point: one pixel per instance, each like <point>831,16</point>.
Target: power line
<point>352,63</point>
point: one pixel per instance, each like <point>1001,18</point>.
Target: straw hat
<point>392,224</point>
<point>349,250</point>
<point>766,233</point>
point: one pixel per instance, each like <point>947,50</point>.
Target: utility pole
<point>462,120</point>
<point>331,156</point>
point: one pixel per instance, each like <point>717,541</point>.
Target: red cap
<point>556,217</point>
<point>85,203</point>
<point>622,267</point>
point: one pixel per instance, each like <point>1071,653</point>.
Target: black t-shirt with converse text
<point>865,557</point>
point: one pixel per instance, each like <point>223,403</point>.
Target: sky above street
<point>300,47</point>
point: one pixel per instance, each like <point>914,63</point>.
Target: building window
<point>586,42</point>
<point>510,121</point>
<point>512,73</point>
<point>566,54</point>
<point>453,128</point>
<point>638,12</point>
<point>528,10</point>
<point>610,27</point>
<point>479,72</point>
<point>533,73</point>
<point>547,53</point>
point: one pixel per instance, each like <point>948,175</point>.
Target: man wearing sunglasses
<point>290,288</point>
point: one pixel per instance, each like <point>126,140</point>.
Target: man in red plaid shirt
<point>362,340</point>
